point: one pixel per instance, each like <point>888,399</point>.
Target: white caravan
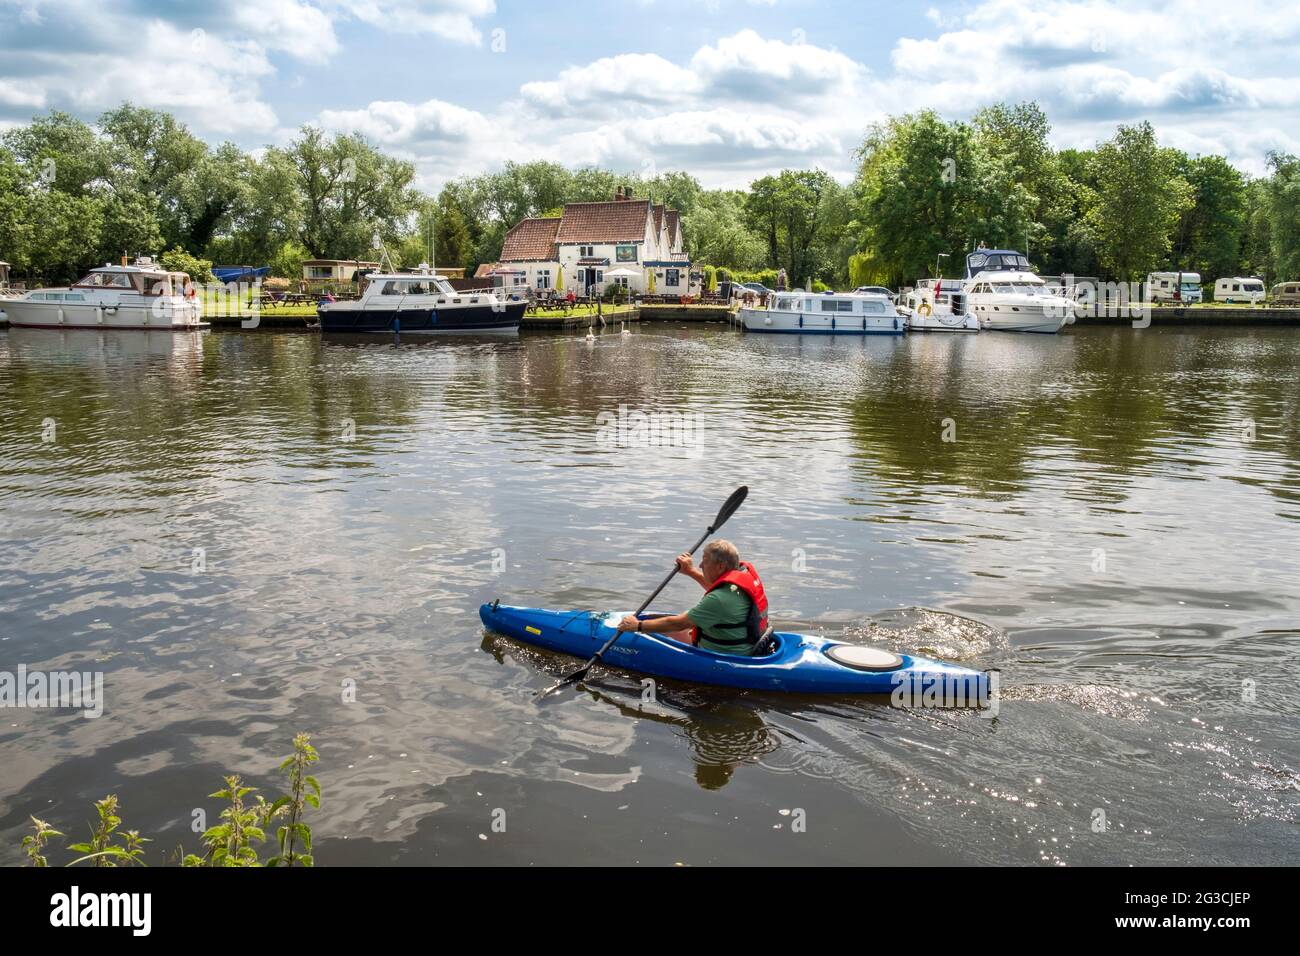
<point>1165,287</point>
<point>1239,289</point>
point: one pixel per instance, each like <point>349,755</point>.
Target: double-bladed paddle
<point>726,511</point>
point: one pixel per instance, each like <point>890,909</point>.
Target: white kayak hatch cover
<point>864,658</point>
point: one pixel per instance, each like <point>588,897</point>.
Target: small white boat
<point>825,313</point>
<point>139,296</point>
<point>1007,297</point>
<point>938,307</point>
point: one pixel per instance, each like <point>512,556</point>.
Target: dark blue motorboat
<point>420,303</point>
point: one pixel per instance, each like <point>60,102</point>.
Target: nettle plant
<point>232,842</point>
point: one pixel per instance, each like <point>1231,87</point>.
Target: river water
<point>241,531</point>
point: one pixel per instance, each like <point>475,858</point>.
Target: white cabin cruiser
<point>1005,296</point>
<point>938,306</point>
<point>421,303</point>
<point>139,296</point>
<point>826,313</point>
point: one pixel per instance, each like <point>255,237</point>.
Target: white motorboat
<point>938,306</point>
<point>825,313</point>
<point>1006,296</point>
<point>139,296</point>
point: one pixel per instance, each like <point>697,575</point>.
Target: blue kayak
<point>799,663</point>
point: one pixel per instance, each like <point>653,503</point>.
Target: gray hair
<point>723,553</point>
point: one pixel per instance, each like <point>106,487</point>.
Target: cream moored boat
<point>826,313</point>
<point>139,296</point>
<point>938,306</point>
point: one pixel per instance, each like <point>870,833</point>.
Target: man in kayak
<point>731,618</point>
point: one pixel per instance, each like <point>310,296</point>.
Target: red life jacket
<point>747,579</point>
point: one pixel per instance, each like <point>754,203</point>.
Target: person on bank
<point>731,618</point>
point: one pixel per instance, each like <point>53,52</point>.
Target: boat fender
<point>895,323</point>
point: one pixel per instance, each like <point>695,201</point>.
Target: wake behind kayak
<point>798,663</point>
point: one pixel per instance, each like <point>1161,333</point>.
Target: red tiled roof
<point>532,240</point>
<point>619,221</point>
<point>659,218</point>
<point>671,226</point>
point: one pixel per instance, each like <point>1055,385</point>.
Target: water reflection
<point>1101,530</point>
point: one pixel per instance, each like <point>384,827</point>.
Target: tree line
<point>73,194</point>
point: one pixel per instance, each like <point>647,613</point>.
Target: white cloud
<point>22,94</point>
<point>610,83</point>
<point>746,66</point>
<point>442,139</point>
<point>450,19</point>
<point>298,29</point>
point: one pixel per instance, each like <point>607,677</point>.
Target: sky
<point>728,90</point>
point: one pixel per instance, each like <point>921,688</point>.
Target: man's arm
<point>675,622</point>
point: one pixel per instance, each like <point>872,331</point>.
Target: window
<point>519,280</point>
<point>620,281</point>
<point>320,272</point>
<point>672,276</point>
<point>393,287</point>
<point>874,308</point>
<point>600,275</point>
<point>543,278</point>
<point>837,305</point>
<point>585,251</point>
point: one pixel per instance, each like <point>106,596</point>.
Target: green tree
<point>350,194</point>
<point>925,188</point>
<point>1208,238</point>
<point>718,234</point>
<point>1018,137</point>
<point>1283,205</point>
<point>795,211</point>
<point>1139,199</point>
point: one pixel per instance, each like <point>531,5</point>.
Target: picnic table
<point>274,299</point>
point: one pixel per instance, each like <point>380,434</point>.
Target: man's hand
<point>629,623</point>
<point>685,564</point>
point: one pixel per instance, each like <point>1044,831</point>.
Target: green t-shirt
<point>726,605</point>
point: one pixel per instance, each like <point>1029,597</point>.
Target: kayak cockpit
<point>772,641</point>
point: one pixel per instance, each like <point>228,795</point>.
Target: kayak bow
<point>800,663</point>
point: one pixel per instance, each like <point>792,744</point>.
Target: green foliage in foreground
<point>232,842</point>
